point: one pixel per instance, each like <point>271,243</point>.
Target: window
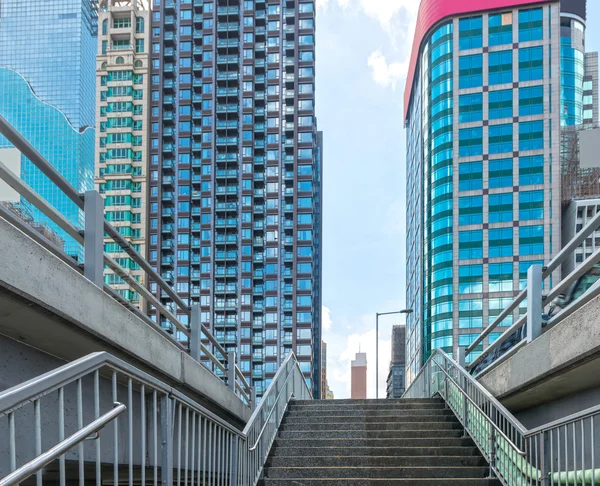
<point>500,29</point>
<point>500,173</point>
<point>531,240</point>
<point>501,207</point>
<point>531,63</point>
<point>470,244</point>
<point>470,33</point>
<point>470,210</point>
<point>501,104</point>
<point>470,108</point>
<point>500,139</point>
<point>531,205</point>
<point>531,135</point>
<point>119,60</point>
<point>500,242</point>
<point>470,279</point>
<point>470,71</point>
<point>470,176</point>
<point>470,313</point>
<point>470,142</point>
<point>139,25</point>
<point>531,25</point>
<point>500,67</point>
<point>501,277</point>
<point>531,170</point>
<point>531,101</point>
<point>496,306</point>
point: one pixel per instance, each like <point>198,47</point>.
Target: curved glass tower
<point>47,62</point>
<point>572,64</point>
<point>483,158</point>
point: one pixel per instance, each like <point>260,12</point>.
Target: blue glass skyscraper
<point>48,56</point>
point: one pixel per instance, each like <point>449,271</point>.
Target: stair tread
<point>365,442</point>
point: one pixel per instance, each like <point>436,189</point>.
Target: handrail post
<point>235,444</point>
<point>93,238</point>
<point>166,437</point>
<point>195,332</point>
<point>492,452</point>
<point>252,398</point>
<point>231,371</point>
<point>534,302</point>
<point>546,458</point>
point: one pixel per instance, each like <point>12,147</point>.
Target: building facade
<point>483,164</point>
<point>236,175</point>
<point>396,380</point>
<point>358,377</point>
<point>123,127</point>
<point>47,55</point>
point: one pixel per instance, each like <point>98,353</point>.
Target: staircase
<point>374,442</point>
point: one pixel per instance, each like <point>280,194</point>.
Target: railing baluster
<point>38,437</point>
<point>155,434</point>
<point>80,425</point>
<point>130,428</point>
<point>193,450</point>
<point>143,425</point>
<point>98,439</point>
<point>12,443</point>
<point>61,434</point>
<point>115,433</point>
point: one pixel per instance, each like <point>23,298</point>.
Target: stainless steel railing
<point>560,453</point>
<point>201,343</point>
<point>529,326</point>
<point>164,436</point>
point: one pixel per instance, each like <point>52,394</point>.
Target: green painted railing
<point>559,453</point>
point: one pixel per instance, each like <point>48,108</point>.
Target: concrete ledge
<point>564,361</point>
<point>48,306</point>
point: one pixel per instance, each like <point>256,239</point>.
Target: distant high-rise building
<point>329,395</point>
<point>396,380</point>
<point>483,110</point>
<point>358,388</point>
<point>47,71</point>
<point>236,176</point>
<point>123,128</point>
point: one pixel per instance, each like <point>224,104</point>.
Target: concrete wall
<point>46,305</point>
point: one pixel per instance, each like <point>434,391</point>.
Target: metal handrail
<point>27,149</point>
<point>262,430</point>
<point>560,452</point>
<point>557,289</point>
<point>498,429</point>
<point>174,422</point>
<point>32,467</point>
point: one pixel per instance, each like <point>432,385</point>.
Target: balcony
<point>230,206</point>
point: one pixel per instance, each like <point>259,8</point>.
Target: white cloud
<point>342,348</point>
<point>385,10</point>
<point>386,74</point>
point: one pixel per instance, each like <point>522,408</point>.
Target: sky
<point>363,48</point>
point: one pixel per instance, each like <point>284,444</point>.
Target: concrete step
<point>376,461</point>
<point>382,482</point>
<point>362,406</point>
<point>322,442</point>
<point>375,472</point>
<point>371,434</point>
<point>348,412</point>
<point>369,418</point>
<point>362,426</point>
<point>366,402</point>
<point>375,451</point>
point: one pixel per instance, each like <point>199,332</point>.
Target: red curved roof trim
<point>433,11</point>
